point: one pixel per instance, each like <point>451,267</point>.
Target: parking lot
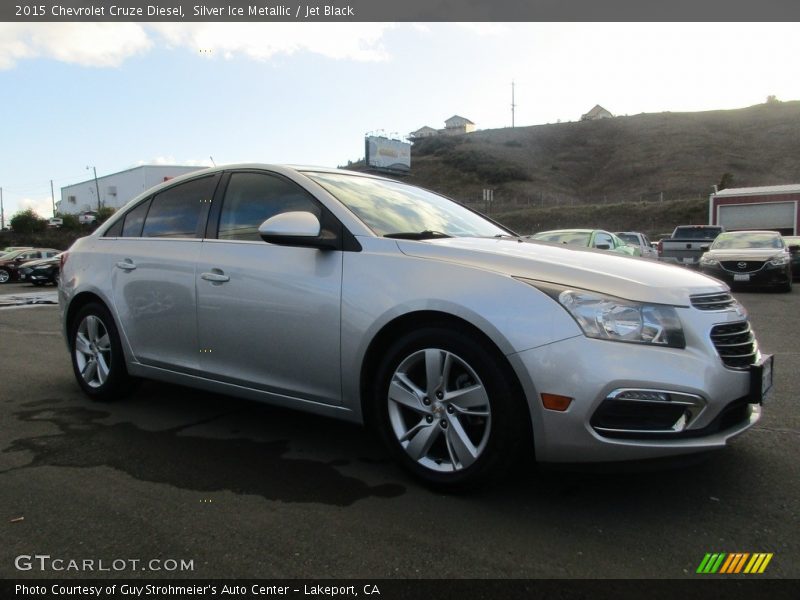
<point>246,490</point>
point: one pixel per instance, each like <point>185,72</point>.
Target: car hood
<point>745,253</point>
<point>599,270</point>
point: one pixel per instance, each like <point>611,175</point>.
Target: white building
<point>597,113</point>
<point>115,189</point>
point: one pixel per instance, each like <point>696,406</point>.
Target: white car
<point>87,218</point>
<point>640,241</point>
<point>370,300</point>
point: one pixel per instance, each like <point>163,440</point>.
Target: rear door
<point>153,267</point>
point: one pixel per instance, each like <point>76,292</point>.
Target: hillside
<point>653,158</point>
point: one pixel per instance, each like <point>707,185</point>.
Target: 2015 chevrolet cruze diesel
<point>374,301</point>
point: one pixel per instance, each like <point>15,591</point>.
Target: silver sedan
<point>371,300</point>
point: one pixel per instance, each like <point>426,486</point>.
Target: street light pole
<point>97,186</point>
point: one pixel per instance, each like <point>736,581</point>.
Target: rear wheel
<point>4,276</point>
<point>446,410</point>
<point>97,358</point>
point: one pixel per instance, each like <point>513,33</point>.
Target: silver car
<point>370,300</point>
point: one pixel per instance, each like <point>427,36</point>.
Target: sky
<point>117,95</point>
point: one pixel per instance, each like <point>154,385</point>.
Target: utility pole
<point>513,106</point>
<point>97,187</point>
<point>53,198</point>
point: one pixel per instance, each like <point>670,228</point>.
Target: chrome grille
<point>718,301</point>
<point>735,344</point>
<point>742,266</point>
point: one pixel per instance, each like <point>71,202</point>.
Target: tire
<point>462,428</point>
<point>97,358</point>
<point>5,276</point>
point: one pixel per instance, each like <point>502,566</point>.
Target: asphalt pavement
<point>238,489</point>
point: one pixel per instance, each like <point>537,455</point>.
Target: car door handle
<point>215,276</point>
<point>126,265</point>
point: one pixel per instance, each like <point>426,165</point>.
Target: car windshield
<point>696,233</point>
<point>395,209</point>
<point>573,238</point>
<point>740,240</point>
<point>629,237</point>
<point>13,254</point>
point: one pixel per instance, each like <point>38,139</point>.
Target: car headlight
<point>608,318</point>
<point>779,260</point>
<point>708,260</point>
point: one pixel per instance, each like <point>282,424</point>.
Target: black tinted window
<point>252,198</point>
<point>115,230</point>
<point>134,220</point>
<point>176,211</point>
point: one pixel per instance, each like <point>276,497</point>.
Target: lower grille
<point>735,344</point>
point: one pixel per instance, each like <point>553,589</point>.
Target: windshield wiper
<point>428,234</point>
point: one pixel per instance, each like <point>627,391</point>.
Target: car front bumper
<point>766,276</point>
<point>722,403</point>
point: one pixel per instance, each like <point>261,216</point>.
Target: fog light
<point>645,395</point>
<point>556,402</point>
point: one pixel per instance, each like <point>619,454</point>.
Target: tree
<point>104,213</point>
<point>772,100</point>
<point>70,223</point>
<point>27,221</point>
<point>725,182</point>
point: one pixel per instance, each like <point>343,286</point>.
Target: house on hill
<point>456,125</point>
<point>424,132</point>
<point>597,113</point>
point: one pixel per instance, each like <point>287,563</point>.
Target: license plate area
<point>741,277</point>
<point>761,379</point>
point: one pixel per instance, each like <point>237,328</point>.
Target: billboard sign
<point>383,153</point>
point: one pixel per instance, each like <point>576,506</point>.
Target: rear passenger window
<point>252,198</point>
<point>134,220</point>
<point>176,212</point>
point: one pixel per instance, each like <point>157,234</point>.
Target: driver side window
<point>252,198</point>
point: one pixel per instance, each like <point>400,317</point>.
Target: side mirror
<point>603,246</point>
<point>705,247</point>
<point>298,228</point>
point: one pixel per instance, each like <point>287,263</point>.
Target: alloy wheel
<point>439,410</point>
<point>93,351</point>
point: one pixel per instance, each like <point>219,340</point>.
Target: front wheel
<point>446,409</point>
<point>97,358</point>
<point>5,276</point>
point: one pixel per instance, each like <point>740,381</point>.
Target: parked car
<point>752,258</point>
<point>640,241</point>
<point>686,244</point>
<point>8,249</point>
<point>42,271</point>
<point>587,238</point>
<point>10,263</point>
<point>793,244</point>
<point>88,217</point>
<point>55,222</point>
<point>370,300</point>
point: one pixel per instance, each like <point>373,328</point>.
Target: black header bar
<point>233,11</point>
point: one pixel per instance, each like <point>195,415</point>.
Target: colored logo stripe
<point>735,562</point>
